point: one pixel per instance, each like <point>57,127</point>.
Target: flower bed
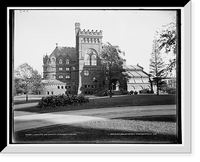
<point>61,100</point>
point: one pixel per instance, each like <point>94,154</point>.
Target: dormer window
<point>67,61</point>
<point>53,60</point>
<point>60,61</point>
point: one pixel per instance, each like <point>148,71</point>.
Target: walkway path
<point>79,116</point>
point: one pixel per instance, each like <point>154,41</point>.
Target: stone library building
<point>68,69</point>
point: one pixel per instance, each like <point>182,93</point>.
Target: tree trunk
<point>157,88</point>
<point>26,96</point>
<point>110,89</point>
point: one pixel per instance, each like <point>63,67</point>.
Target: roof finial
<point>56,44</point>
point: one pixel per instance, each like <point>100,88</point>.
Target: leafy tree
<point>26,79</point>
<point>157,67</point>
<point>168,40</point>
<point>18,89</point>
<point>111,69</point>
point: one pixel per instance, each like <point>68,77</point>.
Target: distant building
<point>171,82</point>
<point>69,69</point>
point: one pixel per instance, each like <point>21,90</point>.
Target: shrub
<point>124,92</point>
<point>171,90</point>
<point>145,91</point>
<point>131,92</point>
<point>61,100</point>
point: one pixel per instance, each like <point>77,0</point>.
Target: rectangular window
<point>88,86</point>
<point>60,69</point>
<point>52,93</point>
<point>92,86</point>
<point>58,87</point>
<point>67,69</point>
<point>62,87</point>
<point>85,86</point>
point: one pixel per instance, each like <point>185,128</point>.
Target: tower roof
<point>52,82</point>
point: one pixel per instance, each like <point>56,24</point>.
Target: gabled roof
<point>65,51</point>
<point>133,67</point>
<point>136,71</point>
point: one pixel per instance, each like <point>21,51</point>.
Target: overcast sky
<point>38,31</point>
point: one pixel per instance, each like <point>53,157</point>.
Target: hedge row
<point>61,100</point>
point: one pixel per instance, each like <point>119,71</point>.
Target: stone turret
<point>45,59</point>
<point>77,28</point>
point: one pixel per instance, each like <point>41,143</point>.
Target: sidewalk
<point>80,116</point>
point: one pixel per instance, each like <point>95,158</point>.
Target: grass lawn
<point>141,130</point>
<point>133,100</point>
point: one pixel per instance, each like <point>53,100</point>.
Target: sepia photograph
<point>96,76</point>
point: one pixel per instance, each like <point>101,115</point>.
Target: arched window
<point>60,76</point>
<point>53,60</point>
<point>67,76</point>
<point>87,59</point>
<point>90,57</point>
<point>60,61</point>
<point>93,60</point>
<point>67,61</point>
